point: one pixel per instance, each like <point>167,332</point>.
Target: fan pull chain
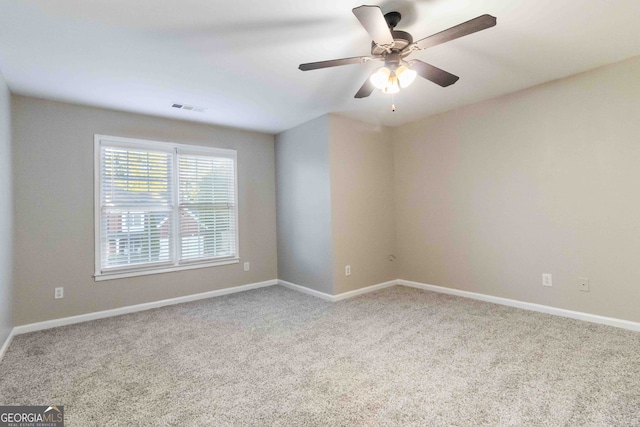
<point>393,103</point>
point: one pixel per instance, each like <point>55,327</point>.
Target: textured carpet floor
<point>399,356</point>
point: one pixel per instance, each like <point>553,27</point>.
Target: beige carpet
<point>399,356</point>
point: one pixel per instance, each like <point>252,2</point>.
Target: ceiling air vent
<point>188,107</point>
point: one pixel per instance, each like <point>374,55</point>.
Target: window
<point>163,207</point>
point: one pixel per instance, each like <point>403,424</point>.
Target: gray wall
<point>6,214</point>
<point>335,204</point>
<point>546,180</point>
<point>54,219</point>
<point>487,198</point>
<point>304,205</point>
<point>362,211</point>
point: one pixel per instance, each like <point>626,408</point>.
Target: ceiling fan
<point>393,47</point>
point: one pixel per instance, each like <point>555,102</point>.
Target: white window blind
<point>162,207</point>
<point>136,205</point>
<point>207,207</point>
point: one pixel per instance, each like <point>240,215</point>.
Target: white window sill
<point>123,274</point>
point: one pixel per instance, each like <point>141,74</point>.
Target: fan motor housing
<point>402,39</point>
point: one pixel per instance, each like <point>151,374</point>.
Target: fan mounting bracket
<point>392,18</point>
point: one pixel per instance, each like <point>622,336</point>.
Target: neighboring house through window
<point>163,207</point>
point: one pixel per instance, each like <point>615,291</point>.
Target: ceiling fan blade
<point>434,74</point>
<point>333,63</point>
<point>476,24</point>
<point>365,90</point>
<point>373,21</point>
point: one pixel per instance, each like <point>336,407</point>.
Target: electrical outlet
<point>546,280</point>
<point>59,293</point>
<point>583,284</point>
<point>347,270</point>
<point>247,266</point>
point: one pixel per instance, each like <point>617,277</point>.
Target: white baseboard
<point>5,346</point>
<point>338,297</point>
<point>305,290</point>
<point>593,318</point>
<point>351,294</point>
<point>32,327</point>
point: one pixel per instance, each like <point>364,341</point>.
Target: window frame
<point>175,263</point>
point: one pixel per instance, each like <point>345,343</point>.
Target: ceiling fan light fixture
<point>380,78</point>
<point>389,81</point>
<point>405,75</point>
<point>392,85</point>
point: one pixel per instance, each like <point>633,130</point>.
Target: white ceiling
<point>239,60</point>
